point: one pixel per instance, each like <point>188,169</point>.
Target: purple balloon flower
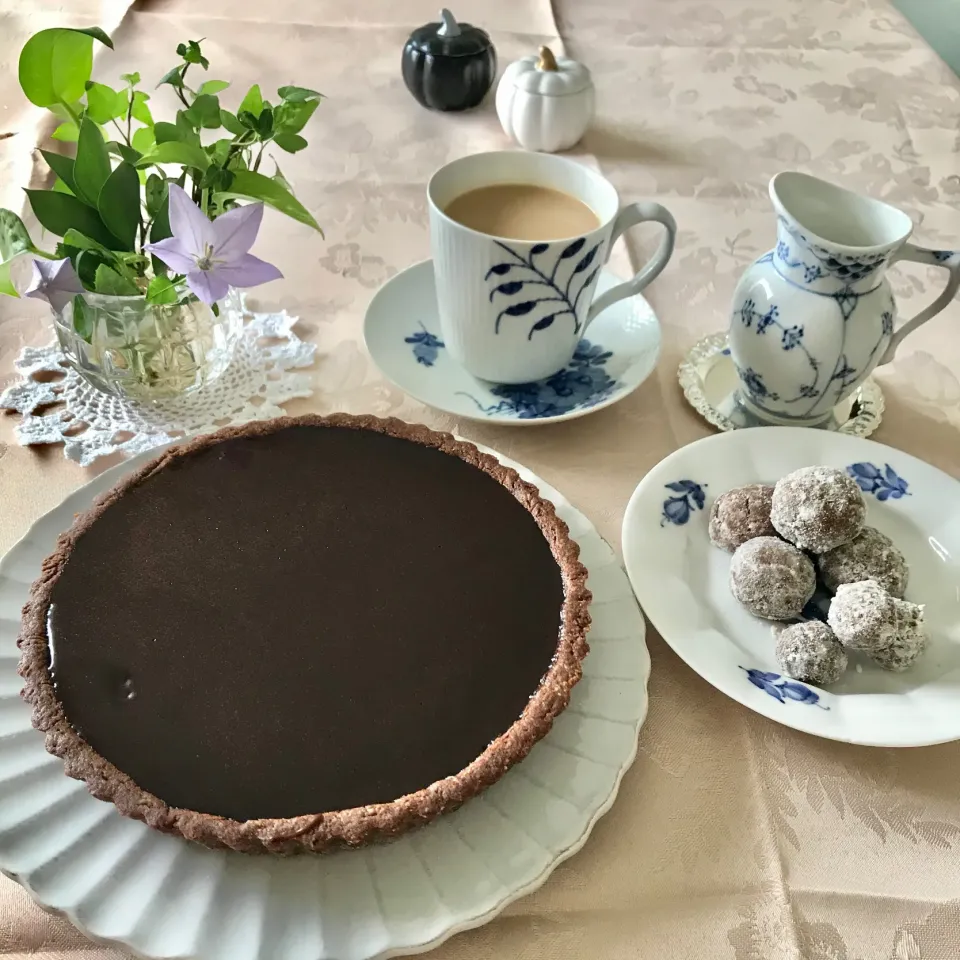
<point>54,281</point>
<point>213,254</point>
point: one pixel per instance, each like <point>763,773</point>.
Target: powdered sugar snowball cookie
<point>909,643</point>
<point>818,508</point>
<point>871,555</point>
<point>865,617</point>
<point>772,579</point>
<point>810,652</point>
<point>740,515</point>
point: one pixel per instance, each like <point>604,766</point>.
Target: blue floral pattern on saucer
<point>884,484</point>
<point>690,496</point>
<point>582,384</point>
<point>782,688</point>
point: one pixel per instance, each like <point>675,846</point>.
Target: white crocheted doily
<point>262,375</point>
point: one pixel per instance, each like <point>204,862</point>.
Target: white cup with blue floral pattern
<point>513,311</point>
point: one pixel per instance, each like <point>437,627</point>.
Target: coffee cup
<point>518,242</point>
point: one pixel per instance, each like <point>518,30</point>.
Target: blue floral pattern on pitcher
<point>846,268</point>
<point>791,338</point>
<point>524,283</point>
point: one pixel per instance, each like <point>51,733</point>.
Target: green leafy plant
<point>109,202</point>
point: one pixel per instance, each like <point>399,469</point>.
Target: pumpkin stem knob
<point>449,27</point>
<point>547,60</point>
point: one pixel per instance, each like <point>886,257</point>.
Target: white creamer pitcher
<point>813,317</point>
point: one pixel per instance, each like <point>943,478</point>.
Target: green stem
<point>256,165</point>
<point>126,136</point>
<point>238,146</point>
<point>196,190</point>
<point>74,116</point>
<point>183,74</point>
<point>129,116</point>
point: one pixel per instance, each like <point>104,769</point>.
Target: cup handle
<point>628,217</point>
<point>949,260</point>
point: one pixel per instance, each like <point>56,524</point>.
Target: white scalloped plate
<point>121,882</point>
<point>682,582</point>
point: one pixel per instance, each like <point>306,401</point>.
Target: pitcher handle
<point>949,260</point>
<point>629,216</point>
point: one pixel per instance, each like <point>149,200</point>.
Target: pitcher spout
<point>831,240</point>
<point>835,217</point>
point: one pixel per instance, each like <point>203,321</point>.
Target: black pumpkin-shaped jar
<point>449,65</point>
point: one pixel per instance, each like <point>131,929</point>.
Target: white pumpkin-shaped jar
<point>545,103</point>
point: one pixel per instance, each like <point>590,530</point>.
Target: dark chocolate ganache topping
<point>311,620</point>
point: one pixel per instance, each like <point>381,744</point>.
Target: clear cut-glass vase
<point>127,347</point>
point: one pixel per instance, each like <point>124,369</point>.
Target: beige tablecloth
<point>732,837</point>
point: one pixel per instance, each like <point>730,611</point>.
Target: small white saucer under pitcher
<point>402,334</point>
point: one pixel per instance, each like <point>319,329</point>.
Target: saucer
<point>709,381</point>
<point>682,583</point>
<point>402,333</point>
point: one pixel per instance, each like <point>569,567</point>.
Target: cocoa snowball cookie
<point>811,652</point>
<point>772,579</point>
<point>908,645</point>
<point>865,617</point>
<point>740,515</point>
<point>818,508</point>
<point>869,556</point>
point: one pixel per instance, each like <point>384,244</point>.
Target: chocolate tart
<point>305,633</point>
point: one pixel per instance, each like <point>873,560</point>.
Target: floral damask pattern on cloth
<point>731,838</point>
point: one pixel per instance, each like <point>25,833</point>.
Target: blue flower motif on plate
<point>690,496</point>
<point>884,483</point>
<point>783,688</point>
<point>818,607</point>
<point>425,346</point>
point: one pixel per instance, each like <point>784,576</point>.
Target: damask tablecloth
<point>732,837</point>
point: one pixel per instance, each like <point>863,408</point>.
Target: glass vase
<point>126,347</point>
